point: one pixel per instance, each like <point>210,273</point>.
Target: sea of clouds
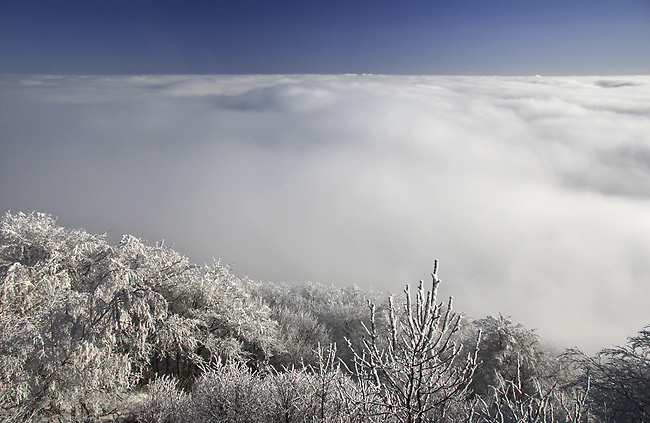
<point>533,192</point>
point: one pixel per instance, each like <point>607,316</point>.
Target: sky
<point>533,192</point>
<point>406,37</point>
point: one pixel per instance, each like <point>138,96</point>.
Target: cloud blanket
<point>533,192</point>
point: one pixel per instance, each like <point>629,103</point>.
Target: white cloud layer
<point>533,192</point>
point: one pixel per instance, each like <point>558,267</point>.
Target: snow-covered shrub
<point>162,403</point>
<point>228,393</point>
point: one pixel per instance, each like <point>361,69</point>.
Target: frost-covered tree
<point>63,310</point>
<point>518,379</point>
<point>310,314</point>
<point>299,335</point>
<point>512,352</point>
<point>85,325</point>
<point>420,369</point>
<point>619,380</point>
<point>82,321</point>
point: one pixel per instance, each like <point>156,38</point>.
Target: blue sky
<point>500,37</point>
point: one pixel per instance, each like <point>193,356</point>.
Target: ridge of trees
<point>135,332</point>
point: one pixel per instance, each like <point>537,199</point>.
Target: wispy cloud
<point>533,192</point>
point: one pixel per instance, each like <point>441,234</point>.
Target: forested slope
<point>91,331</point>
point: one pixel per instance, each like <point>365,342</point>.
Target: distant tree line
<point>134,332</point>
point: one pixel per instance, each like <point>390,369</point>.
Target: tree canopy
<point>97,332</point>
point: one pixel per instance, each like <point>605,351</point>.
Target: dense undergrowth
<point>134,332</point>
